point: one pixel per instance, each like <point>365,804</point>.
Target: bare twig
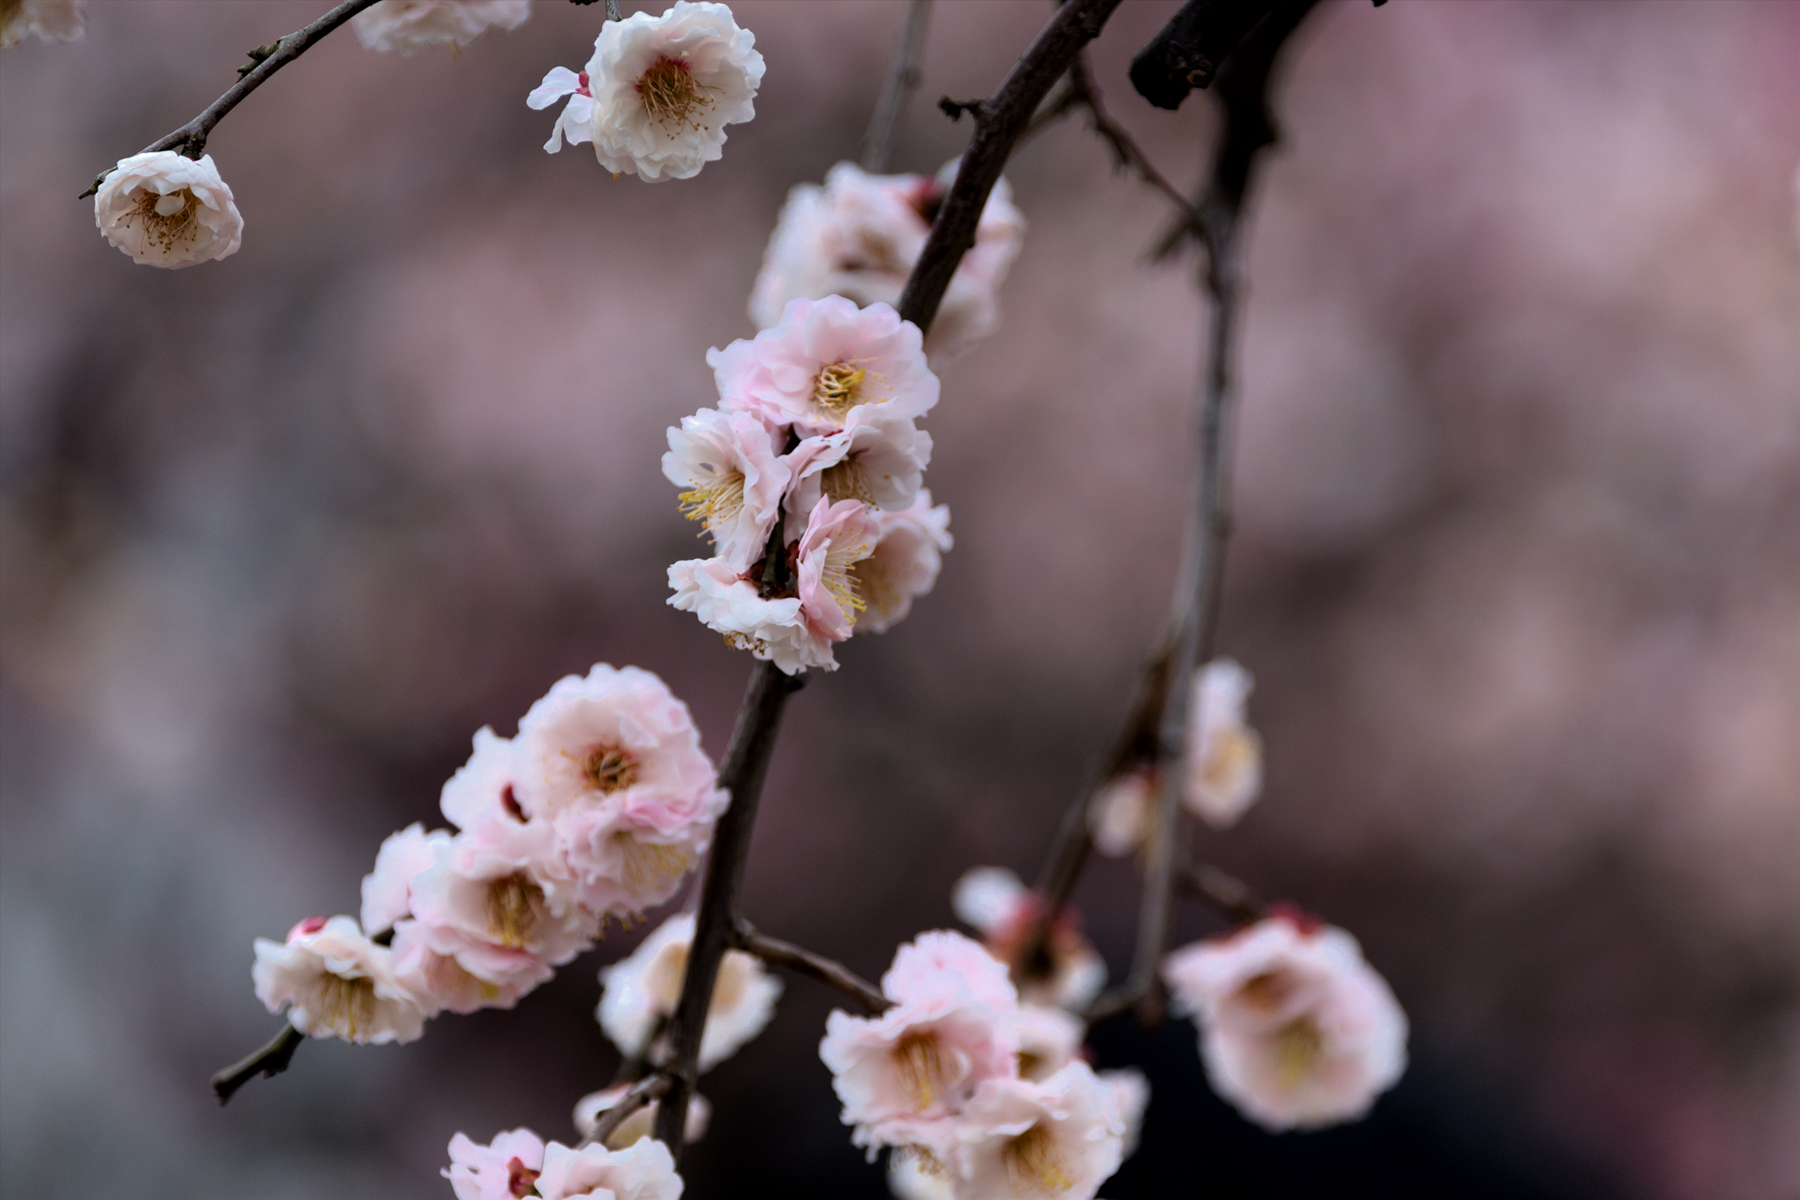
<point>998,126</point>
<point>1227,893</point>
<point>272,1059</point>
<point>801,961</point>
<point>903,77</point>
<point>647,1090</point>
<point>1126,151</point>
<point>190,139</point>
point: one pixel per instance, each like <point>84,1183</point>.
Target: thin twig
<point>1227,893</point>
<point>612,11</point>
<point>647,1090</point>
<point>190,139</point>
<point>1126,152</point>
<point>998,126</point>
<point>903,77</point>
<point>801,961</point>
<point>272,1059</point>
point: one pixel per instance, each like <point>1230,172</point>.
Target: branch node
<point>954,109</point>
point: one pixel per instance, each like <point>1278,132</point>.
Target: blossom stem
<point>801,961</point>
<point>272,1059</point>
<point>903,77</point>
<point>190,139</point>
<point>645,1091</point>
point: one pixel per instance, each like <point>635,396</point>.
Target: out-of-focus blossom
<point>1122,813</point>
<point>917,1174</point>
<point>909,553</point>
<point>413,25</point>
<point>1059,1139</point>
<point>1132,1091</point>
<point>639,1124</point>
<point>613,760</point>
<point>734,478</point>
<point>880,462</point>
<point>658,91</point>
<point>826,366</point>
<point>859,235</point>
<point>1223,771</point>
<point>904,1076</point>
<point>641,991</point>
<point>1005,911</point>
<point>168,211</point>
<point>1297,1029</point>
<point>46,20</point>
<point>1049,1040</point>
<point>643,1170</point>
<point>483,787</point>
<point>387,890</point>
<point>336,982</point>
<point>505,1169</point>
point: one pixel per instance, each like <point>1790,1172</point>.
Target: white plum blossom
<point>734,478</point>
<point>387,890</point>
<point>1122,812</point>
<point>641,991</point>
<point>1223,771</point>
<point>658,92</point>
<point>613,760</point>
<point>859,235</point>
<point>336,983</point>
<point>639,1124</point>
<point>165,210</point>
<point>46,20</point>
<point>1132,1091</point>
<point>505,1169</point>
<point>1297,1030</point>
<point>879,461</point>
<point>1005,911</point>
<point>826,366</point>
<point>483,788</point>
<point>909,553</point>
<point>1049,1040</point>
<point>413,25</point>
<point>643,1170</point>
<point>1059,1139</point>
<point>917,1174</point>
<point>771,628</point>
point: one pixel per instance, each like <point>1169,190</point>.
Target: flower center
<point>515,911</point>
<point>715,504</point>
<point>1032,1164</point>
<point>521,1180</point>
<point>923,1071</point>
<point>835,388</point>
<point>1229,759</point>
<point>1298,1046</point>
<point>847,480</point>
<point>1268,991</point>
<point>648,866</point>
<point>167,219</point>
<point>609,768</point>
<point>346,1005</point>
<point>669,93</point>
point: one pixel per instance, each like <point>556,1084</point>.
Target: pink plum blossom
<point>387,890</point>
<point>734,479</point>
<point>837,537</point>
<point>909,549</point>
<point>1059,1139</point>
<point>1223,771</point>
<point>1297,1030</point>
<point>879,461</point>
<point>1049,1040</point>
<point>483,787</point>
<point>438,982</point>
<point>336,983</point>
<point>505,1169</point>
<point>641,990</point>
<point>771,628</point>
<point>643,1170</point>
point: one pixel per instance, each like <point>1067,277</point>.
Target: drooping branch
<point>903,77</point>
<point>801,961</point>
<point>272,1059</point>
<point>647,1090</point>
<point>190,139</point>
<point>1003,117</point>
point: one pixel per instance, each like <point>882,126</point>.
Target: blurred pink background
<point>1517,570</point>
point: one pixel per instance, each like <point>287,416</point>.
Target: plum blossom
<point>1049,1040</point>
<point>613,761</point>
<point>413,25</point>
<point>904,1076</point>
<point>735,481</point>
<point>46,20</point>
<point>387,890</point>
<point>1005,911</point>
<point>483,788</point>
<point>859,235</point>
<point>825,367</point>
<point>1132,1091</point>
<point>658,92</point>
<point>639,1124</point>
<point>771,628</point>
<point>1223,771</point>
<point>165,210</point>
<point>504,1169</point>
<point>917,1174</point>
<point>879,462</point>
<point>1122,812</point>
<point>837,537</point>
<point>1297,1030</point>
<point>1061,1138</point>
<point>336,983</point>
<point>643,1170</point>
<point>909,553</point>
<point>642,989</point>
<point>438,982</point>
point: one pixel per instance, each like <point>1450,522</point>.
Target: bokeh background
<point>1517,570</point>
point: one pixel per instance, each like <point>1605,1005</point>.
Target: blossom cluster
<point>519,1164</point>
<point>978,1094</point>
<point>596,809</point>
<point>658,92</point>
<point>859,235</point>
<point>807,478</point>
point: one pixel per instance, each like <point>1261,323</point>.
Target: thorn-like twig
<point>801,961</point>
<point>272,1059</point>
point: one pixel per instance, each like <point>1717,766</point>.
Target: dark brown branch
<point>647,1090</point>
<point>1186,52</point>
<point>903,77</point>
<point>190,139</point>
<point>1125,150</point>
<point>801,961</point>
<point>272,1059</point>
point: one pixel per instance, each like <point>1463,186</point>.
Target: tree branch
<point>1227,893</point>
<point>801,961</point>
<point>1126,152</point>
<point>272,1059</point>
<point>647,1090</point>
<point>903,77</point>
<point>190,139</point>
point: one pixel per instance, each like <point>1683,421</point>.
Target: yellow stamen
<point>839,577</point>
<point>515,911</point>
<point>346,1005</point>
<point>835,388</point>
<point>648,866</point>
<point>1231,756</point>
<point>609,768</point>
<point>1297,1048</point>
<point>847,480</point>
<point>922,1069</point>
<point>166,219</point>
<point>1032,1164</point>
<point>873,585</point>
<point>714,504</point>
<point>669,93</point>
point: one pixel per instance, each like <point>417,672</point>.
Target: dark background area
<point>1517,571</point>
